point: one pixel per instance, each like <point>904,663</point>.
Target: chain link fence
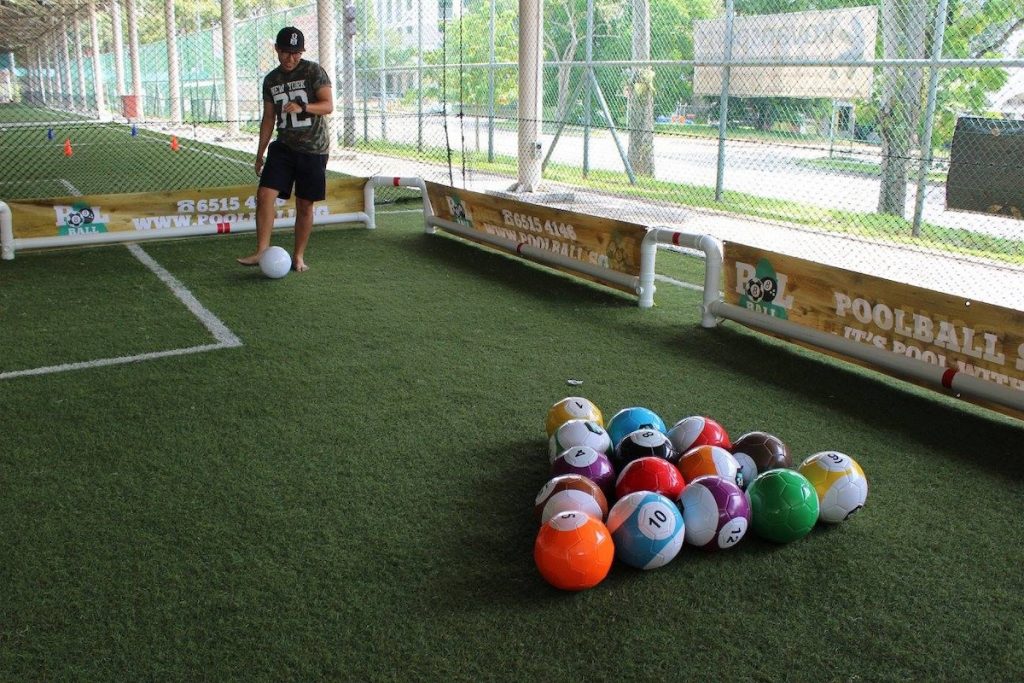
<point>818,128</point>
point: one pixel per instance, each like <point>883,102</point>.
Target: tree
<point>467,40</point>
<point>565,33</point>
<point>903,37</point>
<point>640,91</point>
<point>974,30</point>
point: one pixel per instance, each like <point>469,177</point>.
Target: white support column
<point>41,75</point>
<point>51,74</point>
<point>97,67</point>
<point>118,31</point>
<point>531,26</point>
<point>173,70</point>
<point>227,31</point>
<point>65,54</point>
<point>28,76</point>
<point>325,42</point>
<point>55,77</point>
<point>83,94</point>
<point>133,54</point>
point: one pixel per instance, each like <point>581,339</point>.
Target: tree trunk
<point>641,95</point>
<point>903,37</point>
<point>565,87</point>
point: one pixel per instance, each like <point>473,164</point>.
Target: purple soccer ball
<point>587,462</point>
<point>715,511</point>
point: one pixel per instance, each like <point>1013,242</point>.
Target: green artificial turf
<point>349,494</point>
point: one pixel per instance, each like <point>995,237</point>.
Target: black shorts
<point>285,167</point>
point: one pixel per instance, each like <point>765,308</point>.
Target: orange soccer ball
<point>710,460</point>
<point>574,551</point>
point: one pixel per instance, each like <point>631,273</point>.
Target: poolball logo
<point>79,219</point>
<point>762,289</point>
<point>460,212</point>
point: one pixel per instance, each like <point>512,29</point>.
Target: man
<point>297,97</point>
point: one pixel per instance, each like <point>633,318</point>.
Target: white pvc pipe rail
<point>712,249</point>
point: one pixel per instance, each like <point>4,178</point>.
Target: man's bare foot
<point>253,260</point>
<point>299,266</point>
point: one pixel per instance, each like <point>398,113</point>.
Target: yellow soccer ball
<point>572,408</point>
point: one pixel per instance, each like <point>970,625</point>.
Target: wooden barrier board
<point>972,337</point>
<point>145,211</point>
<point>604,242</point>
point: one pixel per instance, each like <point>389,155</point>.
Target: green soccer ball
<point>783,505</point>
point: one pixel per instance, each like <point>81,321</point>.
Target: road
<point>761,169</point>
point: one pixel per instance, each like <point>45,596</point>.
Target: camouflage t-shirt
<point>301,132</point>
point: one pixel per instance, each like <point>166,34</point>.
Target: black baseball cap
<point>290,39</point>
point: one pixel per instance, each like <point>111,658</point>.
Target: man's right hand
<point>259,165</point>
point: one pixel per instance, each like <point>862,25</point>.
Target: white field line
<point>71,188</point>
<point>225,157</point>
<point>226,339</point>
<point>31,180</point>
<point>211,322</point>
<point>678,283</point>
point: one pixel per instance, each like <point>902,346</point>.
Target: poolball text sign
<point>154,211</point>
<point>980,339</point>
<point>611,244</point>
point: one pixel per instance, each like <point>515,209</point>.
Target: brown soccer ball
<point>766,452</point>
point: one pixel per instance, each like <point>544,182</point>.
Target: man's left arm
<point>324,102</point>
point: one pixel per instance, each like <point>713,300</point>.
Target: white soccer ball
<point>275,262</point>
<point>578,433</point>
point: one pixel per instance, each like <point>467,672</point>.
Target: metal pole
<point>419,75</point>
<point>833,122</point>
<point>562,123</point>
<point>588,93</point>
<point>938,34</point>
<point>382,89</point>
<point>348,75</point>
<point>611,128</point>
<point>490,90</point>
<point>723,103</point>
<point>366,72</point>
